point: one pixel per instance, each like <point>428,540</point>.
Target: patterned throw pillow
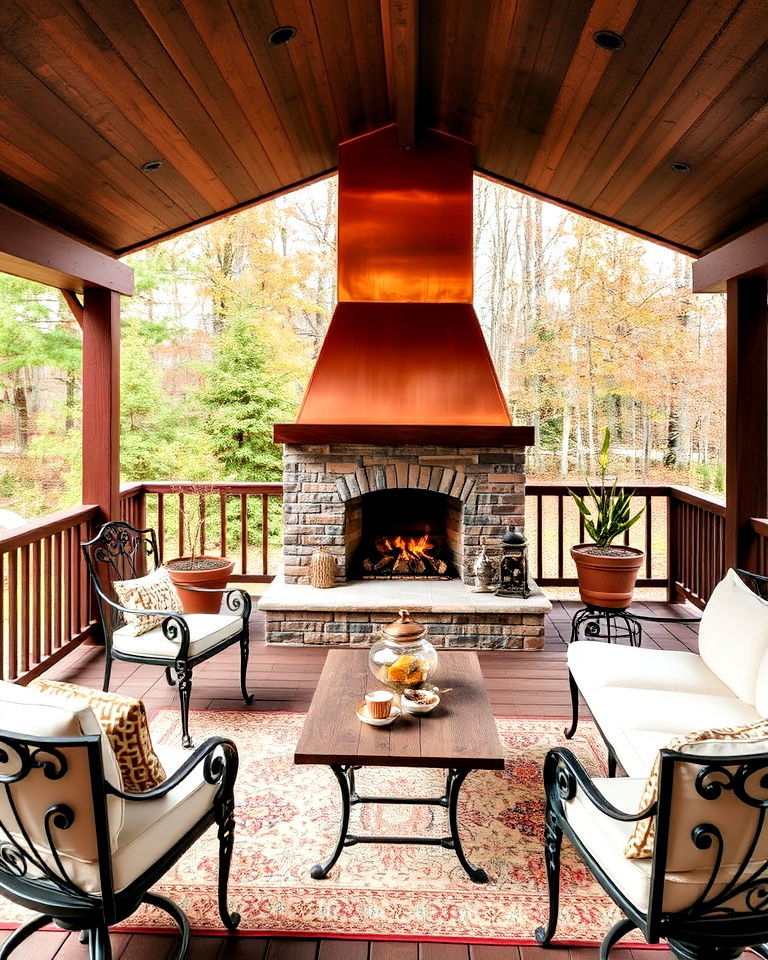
<point>153,592</point>
<point>640,843</point>
<point>124,722</point>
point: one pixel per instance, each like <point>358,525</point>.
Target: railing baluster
<point>25,588</point>
<point>13,615</point>
<point>161,525</point>
<point>37,599</point>
<point>58,577</point>
<point>244,534</point>
<point>223,522</point>
<point>48,599</point>
<point>648,536</point>
<point>539,536</point>
<point>560,537</point>
<point>181,524</point>
<point>264,534</point>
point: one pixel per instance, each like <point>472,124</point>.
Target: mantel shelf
<point>384,434</point>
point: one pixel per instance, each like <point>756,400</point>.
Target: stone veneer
<point>321,481</point>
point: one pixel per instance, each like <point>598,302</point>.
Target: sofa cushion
<point>606,838</point>
<point>724,741</point>
<point>124,721</point>
<point>637,722</point>
<point>733,635</point>
<point>596,664</point>
<point>205,631</point>
<point>155,591</point>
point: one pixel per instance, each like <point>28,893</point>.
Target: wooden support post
<point>746,417</point>
<point>101,401</point>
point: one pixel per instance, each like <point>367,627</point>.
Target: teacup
<point>379,704</point>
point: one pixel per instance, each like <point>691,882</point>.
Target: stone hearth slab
<point>384,596</point>
<point>351,614</point>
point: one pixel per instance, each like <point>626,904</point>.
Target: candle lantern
<point>513,569</point>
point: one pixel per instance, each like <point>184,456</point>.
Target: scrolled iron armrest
<point>563,774</point>
<point>218,769</point>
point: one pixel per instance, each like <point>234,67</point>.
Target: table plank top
<point>460,732</point>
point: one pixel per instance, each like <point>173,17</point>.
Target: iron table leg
<point>320,870</point>
<point>476,874</point>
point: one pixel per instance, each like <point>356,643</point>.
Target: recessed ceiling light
<point>609,40</point>
<point>681,166</point>
<point>282,35</point>
<point>151,165</point>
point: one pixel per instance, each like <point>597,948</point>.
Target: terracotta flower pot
<point>210,577</point>
<point>607,579</point>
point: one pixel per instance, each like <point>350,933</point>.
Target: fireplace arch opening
<point>403,533</point>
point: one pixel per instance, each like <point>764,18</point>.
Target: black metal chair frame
<point>54,894</point>
<point>718,926</point>
<point>124,550</point>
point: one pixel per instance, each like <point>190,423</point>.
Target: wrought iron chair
<point>79,851</point>
<point>121,552</point>
<point>705,889</point>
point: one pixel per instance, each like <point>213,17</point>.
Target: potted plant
<point>196,569</point>
<point>607,573</point>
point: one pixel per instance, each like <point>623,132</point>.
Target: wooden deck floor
<point>519,684</point>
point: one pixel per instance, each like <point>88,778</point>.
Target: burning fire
<point>402,556</point>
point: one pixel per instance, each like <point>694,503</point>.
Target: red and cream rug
<point>287,820</point>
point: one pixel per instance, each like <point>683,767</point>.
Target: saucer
<point>362,714</point>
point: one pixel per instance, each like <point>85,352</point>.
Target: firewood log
<point>401,565</point>
<point>384,562</point>
<point>417,565</point>
<point>367,565</point>
<point>440,567</point>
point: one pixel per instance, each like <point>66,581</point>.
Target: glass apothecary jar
<point>402,657</point>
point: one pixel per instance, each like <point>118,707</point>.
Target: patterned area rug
<point>287,820</point>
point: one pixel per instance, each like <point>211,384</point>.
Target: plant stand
<point>612,624</point>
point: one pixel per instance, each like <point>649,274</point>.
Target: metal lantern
<point>513,569</point>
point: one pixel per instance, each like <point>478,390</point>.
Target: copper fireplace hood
<point>404,359</point>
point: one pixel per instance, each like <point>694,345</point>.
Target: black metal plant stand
<point>607,623</point>
<point>345,774</point>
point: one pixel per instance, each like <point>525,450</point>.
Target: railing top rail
<point>707,501</point>
<point>46,527</point>
<point>216,486</point>
<point>760,526</point>
<point>131,489</point>
<point>551,487</point>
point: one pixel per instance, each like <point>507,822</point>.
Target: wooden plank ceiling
<point>91,90</point>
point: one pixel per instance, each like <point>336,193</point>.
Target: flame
<point>411,546</point>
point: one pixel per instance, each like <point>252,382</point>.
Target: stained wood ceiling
<point>92,89</point>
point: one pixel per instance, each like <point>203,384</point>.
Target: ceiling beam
<point>746,256</point>
<point>400,27</point>
<point>35,251</point>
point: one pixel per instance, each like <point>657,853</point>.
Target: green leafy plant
<point>608,513</point>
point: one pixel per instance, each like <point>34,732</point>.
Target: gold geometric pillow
<point>153,592</point>
<point>640,843</point>
<point>124,722</point>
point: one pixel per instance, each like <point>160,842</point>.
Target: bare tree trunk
<point>565,440</point>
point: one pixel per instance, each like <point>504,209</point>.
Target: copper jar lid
<point>404,630</point>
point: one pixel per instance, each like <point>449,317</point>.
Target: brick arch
<point>446,480</point>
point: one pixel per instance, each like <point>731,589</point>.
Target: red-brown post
<point>101,401</point>
<point>746,417</point>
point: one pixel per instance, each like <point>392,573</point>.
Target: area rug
<point>287,820</point>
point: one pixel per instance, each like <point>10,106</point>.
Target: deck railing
<point>45,604</point>
<point>44,600</point>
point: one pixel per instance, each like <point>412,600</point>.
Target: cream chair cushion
<point>605,839</point>
<point>205,631</point>
<point>153,827</point>
<point>688,805</point>
<point>733,635</point>
<point>27,712</point>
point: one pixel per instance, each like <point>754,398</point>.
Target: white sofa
<point>641,698</point>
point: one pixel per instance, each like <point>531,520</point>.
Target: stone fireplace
<point>477,490</point>
<point>403,461</point>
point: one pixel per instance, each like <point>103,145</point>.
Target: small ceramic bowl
<point>419,701</point>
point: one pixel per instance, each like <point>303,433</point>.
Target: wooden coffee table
<point>459,735</point>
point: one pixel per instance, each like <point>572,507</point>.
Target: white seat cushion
<point>638,722</point>
<point>733,635</point>
<point>205,631</point>
<point>606,839</point>
<point>594,663</point>
<point>152,827</point>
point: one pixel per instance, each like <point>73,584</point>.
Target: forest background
<point>588,327</point>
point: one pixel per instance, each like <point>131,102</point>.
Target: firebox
<point>403,534</point>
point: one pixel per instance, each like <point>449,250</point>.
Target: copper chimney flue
<point>404,351</point>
